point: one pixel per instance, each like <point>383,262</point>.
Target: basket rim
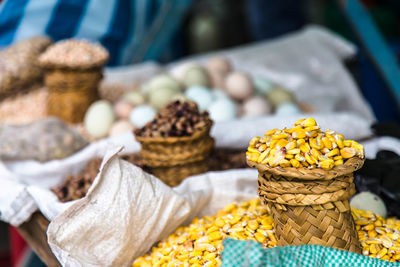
<point>351,165</point>
<point>174,139</point>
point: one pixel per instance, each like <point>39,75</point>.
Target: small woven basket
<point>310,206</point>
<point>71,92</point>
<point>174,158</point>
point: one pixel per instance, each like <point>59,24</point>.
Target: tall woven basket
<point>71,92</point>
<point>174,158</point>
<point>310,206</point>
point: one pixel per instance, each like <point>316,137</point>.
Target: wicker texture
<point>174,175</point>
<point>174,158</point>
<point>309,207</point>
<point>71,92</point>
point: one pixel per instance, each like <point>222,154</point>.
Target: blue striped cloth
<point>131,30</point>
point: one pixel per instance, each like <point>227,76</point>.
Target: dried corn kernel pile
<point>379,237</point>
<point>304,145</point>
<point>200,243</point>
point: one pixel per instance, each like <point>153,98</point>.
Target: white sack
<point>127,210</point>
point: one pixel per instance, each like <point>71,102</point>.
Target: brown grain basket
<point>174,158</point>
<point>71,92</point>
<point>174,175</point>
<point>310,206</point>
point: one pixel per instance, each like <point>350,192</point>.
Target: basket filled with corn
<point>306,178</point>
<point>177,142</point>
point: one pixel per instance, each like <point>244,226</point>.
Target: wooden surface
<point>34,232</point>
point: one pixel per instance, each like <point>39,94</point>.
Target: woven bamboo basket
<point>71,92</point>
<point>310,206</point>
<point>174,158</point>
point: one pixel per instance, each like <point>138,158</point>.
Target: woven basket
<point>310,206</point>
<point>71,92</point>
<point>173,158</point>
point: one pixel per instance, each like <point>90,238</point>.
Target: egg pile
<point>215,86</point>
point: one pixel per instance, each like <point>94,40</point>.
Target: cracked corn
<point>200,243</point>
<point>304,145</point>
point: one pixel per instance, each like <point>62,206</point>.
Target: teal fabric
<point>250,253</point>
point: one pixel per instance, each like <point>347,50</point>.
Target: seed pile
<point>200,243</point>
<point>178,118</point>
<point>76,186</point>
<point>379,237</point>
<point>304,145</point>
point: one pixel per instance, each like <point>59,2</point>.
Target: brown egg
<point>239,85</point>
<point>217,79</point>
<point>219,64</point>
<point>120,127</point>
<point>122,109</point>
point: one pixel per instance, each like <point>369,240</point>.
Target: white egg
<point>369,201</point>
<point>219,93</point>
<point>278,96</point>
<point>256,106</point>
<point>287,108</point>
<point>238,85</point>
<point>162,81</point>
<point>122,109</point>
<point>134,97</point>
<point>219,64</point>
<point>178,72</point>
<point>121,127</point>
<point>141,115</point>
<point>161,96</point>
<point>223,109</point>
<point>196,75</point>
<point>262,85</point>
<point>201,95</point>
<point>99,118</point>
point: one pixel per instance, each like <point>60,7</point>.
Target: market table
<point>34,232</point>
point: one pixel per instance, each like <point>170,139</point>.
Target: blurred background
<point>191,28</point>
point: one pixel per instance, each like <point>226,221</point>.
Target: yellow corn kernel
<point>338,162</point>
<point>299,142</point>
<point>315,153</point>
<point>358,147</point>
<point>299,122</point>
<point>270,132</point>
<point>280,136</point>
<point>210,256</point>
<point>348,152</point>
<point>337,158</point>
<point>254,141</point>
<point>219,222</point>
<point>282,143</point>
<point>294,151</point>
<point>215,236</point>
<point>263,155</point>
<point>253,150</point>
<point>260,237</point>
<point>369,227</point>
<point>347,142</point>
<point>291,145</point>
<point>310,159</point>
<point>299,158</point>
<point>253,225</point>
<point>327,142</point>
<point>339,140</point>
<point>374,248</point>
<point>308,122</point>
<point>295,163</point>
<point>253,157</point>
<point>372,234</point>
<point>289,156</point>
<point>305,147</point>
<point>284,163</point>
<point>273,143</point>
<point>327,164</point>
<point>305,163</point>
<point>262,147</point>
<point>382,253</point>
<point>333,152</point>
